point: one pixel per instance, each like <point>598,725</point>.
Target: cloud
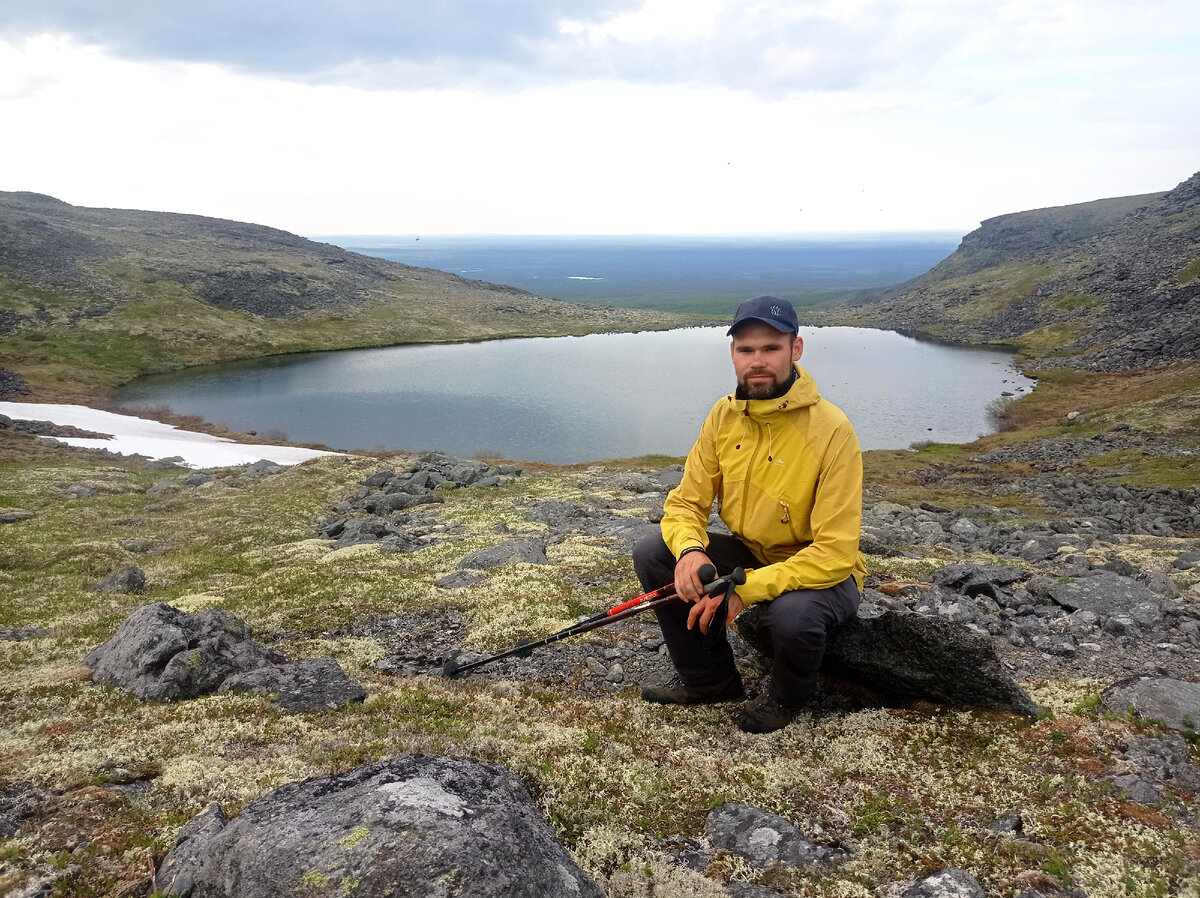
<point>770,48</point>
<point>436,43</point>
<point>598,116</point>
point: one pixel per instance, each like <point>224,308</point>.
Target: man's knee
<point>651,556</point>
<point>807,616</point>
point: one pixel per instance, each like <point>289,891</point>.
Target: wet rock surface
<point>414,825</point>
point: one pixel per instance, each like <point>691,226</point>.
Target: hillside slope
<point>99,296</point>
<point>1107,285</point>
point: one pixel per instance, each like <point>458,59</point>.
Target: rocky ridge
<point>1111,285</point>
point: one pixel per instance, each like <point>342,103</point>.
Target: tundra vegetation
<point>106,781</point>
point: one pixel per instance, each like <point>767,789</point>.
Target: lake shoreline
<point>570,400</point>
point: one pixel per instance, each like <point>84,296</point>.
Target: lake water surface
<point>566,400</point>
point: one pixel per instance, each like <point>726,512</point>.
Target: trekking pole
<point>645,602</point>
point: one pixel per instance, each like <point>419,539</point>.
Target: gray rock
<point>1103,592</point>
<point>379,478</point>
<point>956,576</point>
<point>126,580</point>
<point>459,580</point>
<point>634,482</point>
<point>763,838</point>
<point>948,883</point>
<point>358,531</point>
<point>20,634</point>
<point>559,514</point>
<point>523,551</point>
<point>669,477</point>
<point>171,463</point>
<point>81,491</point>
<point>1176,703</point>
<point>1160,765</point>
<point>387,503</point>
<point>162,654</point>
<point>197,478</point>
<point>313,685</point>
<point>15,517</point>
<point>18,802</point>
<point>908,655</point>
<point>264,467</point>
<point>414,825</point>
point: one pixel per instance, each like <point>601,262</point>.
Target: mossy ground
<point>907,790</point>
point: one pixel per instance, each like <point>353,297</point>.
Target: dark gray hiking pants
<point>797,622</point>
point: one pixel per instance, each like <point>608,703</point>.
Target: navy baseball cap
<point>769,310</point>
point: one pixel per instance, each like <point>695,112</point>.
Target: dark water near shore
<point>679,273</point>
<point>575,399</point>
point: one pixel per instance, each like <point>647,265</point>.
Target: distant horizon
<point>643,235</point>
<point>701,273</point>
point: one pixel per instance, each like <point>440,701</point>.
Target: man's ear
<point>797,348</point>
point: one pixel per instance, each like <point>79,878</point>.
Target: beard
<point>760,389</point>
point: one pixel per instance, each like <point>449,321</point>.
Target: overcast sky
<point>598,116</point>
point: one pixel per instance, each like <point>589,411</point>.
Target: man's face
<point>763,358</point>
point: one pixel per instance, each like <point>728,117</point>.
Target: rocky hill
<point>119,293</point>
<point>1107,285</point>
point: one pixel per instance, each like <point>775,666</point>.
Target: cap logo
<point>775,310</point>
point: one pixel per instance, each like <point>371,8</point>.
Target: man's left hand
<point>704,609</point>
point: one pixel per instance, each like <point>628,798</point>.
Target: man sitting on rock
<point>786,469</point>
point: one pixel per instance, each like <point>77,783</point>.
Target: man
<point>786,469</point>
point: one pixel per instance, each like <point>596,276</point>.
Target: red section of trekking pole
<point>653,599</point>
<point>707,572</point>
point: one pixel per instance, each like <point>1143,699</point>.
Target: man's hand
<point>687,576</point>
<point>704,610</point>
<point>691,589</point>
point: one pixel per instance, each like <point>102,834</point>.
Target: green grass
<point>1190,273</point>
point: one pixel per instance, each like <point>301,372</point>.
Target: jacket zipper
<point>749,469</point>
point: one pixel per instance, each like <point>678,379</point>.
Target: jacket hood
<point>802,393</point>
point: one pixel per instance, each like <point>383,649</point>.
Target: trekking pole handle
<point>726,584</point>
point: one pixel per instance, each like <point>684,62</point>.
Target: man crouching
<point>786,470</point>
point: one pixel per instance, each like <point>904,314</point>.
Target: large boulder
<point>414,825</point>
<point>163,654</point>
<point>905,655</point>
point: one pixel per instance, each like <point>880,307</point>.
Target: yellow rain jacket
<point>787,474</point>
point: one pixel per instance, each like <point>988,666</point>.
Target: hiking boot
<point>728,689</point>
<point>765,714</point>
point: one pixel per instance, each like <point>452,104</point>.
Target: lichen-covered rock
<point>526,551</point>
<point>127,580</point>
<point>1174,703</point>
<point>313,685</point>
<point>415,825</point>
<point>1103,592</point>
<point>762,838</point>
<point>948,883</point>
<point>160,653</point>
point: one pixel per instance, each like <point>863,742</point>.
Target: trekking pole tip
<point>450,668</point>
